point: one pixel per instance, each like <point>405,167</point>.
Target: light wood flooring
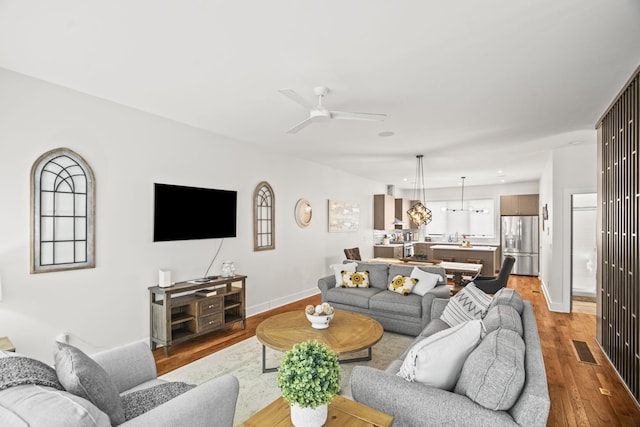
<point>574,386</point>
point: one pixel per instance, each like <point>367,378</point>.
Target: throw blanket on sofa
<point>19,370</point>
<point>141,401</point>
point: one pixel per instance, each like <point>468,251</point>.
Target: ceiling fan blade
<point>357,116</point>
<point>293,95</point>
<point>300,125</point>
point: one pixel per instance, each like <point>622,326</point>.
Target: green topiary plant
<point>309,374</point>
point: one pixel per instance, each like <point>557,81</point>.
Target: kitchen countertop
<point>390,244</point>
<point>472,248</point>
<point>432,243</point>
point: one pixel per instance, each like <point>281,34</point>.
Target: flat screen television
<point>189,213</point>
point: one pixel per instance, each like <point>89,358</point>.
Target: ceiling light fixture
<point>462,209</point>
<point>419,213</point>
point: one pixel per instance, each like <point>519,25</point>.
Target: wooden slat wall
<point>619,198</point>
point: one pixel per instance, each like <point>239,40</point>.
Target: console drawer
<point>210,306</point>
<point>213,321</point>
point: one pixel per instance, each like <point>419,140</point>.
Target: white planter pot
<point>307,417</point>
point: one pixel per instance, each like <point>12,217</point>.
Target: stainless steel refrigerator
<point>520,239</point>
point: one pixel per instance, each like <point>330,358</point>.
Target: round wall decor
<point>303,213</point>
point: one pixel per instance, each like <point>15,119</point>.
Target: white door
<point>583,244</point>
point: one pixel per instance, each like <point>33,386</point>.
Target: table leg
<point>264,361</point>
<point>457,278</point>
<point>366,358</point>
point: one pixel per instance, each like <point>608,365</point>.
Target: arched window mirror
<point>263,218</point>
<point>62,212</point>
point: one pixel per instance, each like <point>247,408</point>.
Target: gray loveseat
<point>31,396</point>
<point>405,314</point>
<point>414,404</point>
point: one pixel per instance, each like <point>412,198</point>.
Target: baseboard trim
<point>278,302</point>
<point>557,307</point>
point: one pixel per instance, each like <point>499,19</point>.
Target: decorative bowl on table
<point>320,316</point>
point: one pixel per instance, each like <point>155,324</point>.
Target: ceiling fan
<point>318,113</point>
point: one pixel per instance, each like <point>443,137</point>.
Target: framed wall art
<point>343,216</point>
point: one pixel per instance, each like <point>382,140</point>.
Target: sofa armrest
<point>325,283</point>
<point>413,404</point>
<point>210,404</point>
<point>128,365</point>
<point>437,307</point>
<point>439,292</point>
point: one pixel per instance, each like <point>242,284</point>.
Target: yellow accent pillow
<point>402,284</point>
<point>358,279</point>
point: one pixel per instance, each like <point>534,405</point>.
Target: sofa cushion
<point>426,281</point>
<point>357,279</point>
<point>339,268</point>
<point>493,375</point>
<point>84,377</point>
<point>438,359</point>
<point>434,326</point>
<point>20,370</point>
<point>395,303</point>
<point>402,284</point>
<point>468,304</point>
<point>357,297</point>
<point>141,401</point>
<point>507,296</point>
<point>40,406</point>
<point>378,273</point>
<point>503,316</point>
<point>400,270</point>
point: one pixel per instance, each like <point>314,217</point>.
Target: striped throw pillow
<point>468,304</point>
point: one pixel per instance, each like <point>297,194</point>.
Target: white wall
<point>129,151</point>
<point>570,170</point>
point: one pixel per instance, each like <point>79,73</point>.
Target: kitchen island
<point>487,255</point>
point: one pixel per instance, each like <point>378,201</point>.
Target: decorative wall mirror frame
<point>264,237</point>
<point>62,212</point>
<point>303,213</point>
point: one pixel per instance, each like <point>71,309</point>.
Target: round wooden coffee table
<point>347,332</point>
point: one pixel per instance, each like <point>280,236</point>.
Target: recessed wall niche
<point>62,212</point>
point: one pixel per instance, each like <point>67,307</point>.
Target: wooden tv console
<point>178,313</point>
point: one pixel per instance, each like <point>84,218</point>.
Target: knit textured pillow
<point>359,279</point>
<point>81,375</point>
<point>402,284</point>
<point>468,304</point>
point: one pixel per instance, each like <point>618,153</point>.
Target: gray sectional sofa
<point>405,314</point>
<point>482,394</point>
<point>31,393</point>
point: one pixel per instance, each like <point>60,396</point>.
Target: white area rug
<point>257,390</point>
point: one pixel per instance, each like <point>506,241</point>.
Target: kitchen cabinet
<point>384,210</point>
<point>521,204</point>
<point>402,206</point>
<point>486,255</point>
<point>388,251</point>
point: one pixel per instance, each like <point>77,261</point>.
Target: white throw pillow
<point>426,281</point>
<point>468,304</point>
<point>339,268</point>
<point>437,360</point>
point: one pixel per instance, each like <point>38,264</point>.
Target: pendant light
<point>461,197</point>
<point>419,213</point>
<point>462,209</point>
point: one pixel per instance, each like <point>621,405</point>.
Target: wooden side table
<point>342,412</point>
<point>6,344</point>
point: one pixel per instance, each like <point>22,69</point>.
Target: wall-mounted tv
<point>188,213</point>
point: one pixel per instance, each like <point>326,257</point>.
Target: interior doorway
<point>583,252</point>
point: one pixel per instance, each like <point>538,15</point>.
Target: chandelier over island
<point>419,213</point>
